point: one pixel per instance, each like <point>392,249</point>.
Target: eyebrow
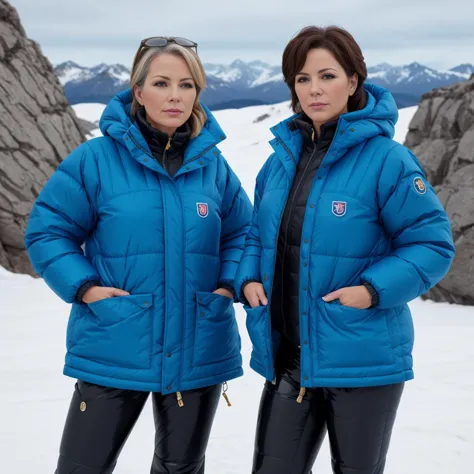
<point>168,79</point>
<point>320,71</point>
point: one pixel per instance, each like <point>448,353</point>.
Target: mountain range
<point>241,84</point>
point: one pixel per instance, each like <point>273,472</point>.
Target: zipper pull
<point>180,399</point>
<point>301,395</point>
<point>167,147</point>
<point>224,389</point>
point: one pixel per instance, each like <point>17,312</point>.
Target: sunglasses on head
<point>161,42</point>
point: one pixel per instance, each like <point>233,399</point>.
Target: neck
<point>317,128</point>
<point>167,130</point>
<point>317,125</point>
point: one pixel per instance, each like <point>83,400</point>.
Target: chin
<point>319,117</point>
<point>322,116</point>
<point>174,122</point>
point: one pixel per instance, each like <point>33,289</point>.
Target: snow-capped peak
<point>465,70</point>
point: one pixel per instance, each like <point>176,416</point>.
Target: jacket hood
<point>116,122</point>
<point>378,117</point>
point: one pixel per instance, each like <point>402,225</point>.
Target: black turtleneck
<point>285,311</point>
<point>172,158</point>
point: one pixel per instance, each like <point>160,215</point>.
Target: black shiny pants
<point>100,420</point>
<point>359,423</point>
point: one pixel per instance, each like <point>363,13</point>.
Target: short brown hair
<point>343,47</point>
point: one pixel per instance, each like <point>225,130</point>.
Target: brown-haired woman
<point>346,231</point>
<point>163,218</point>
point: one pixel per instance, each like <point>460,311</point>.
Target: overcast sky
<point>437,33</point>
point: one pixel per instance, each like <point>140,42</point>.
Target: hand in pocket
<point>97,293</point>
<point>255,294</point>
<point>357,297</point>
<point>224,292</point>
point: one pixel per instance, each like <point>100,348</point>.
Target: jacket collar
<point>378,117</point>
<point>117,123</point>
<point>157,140</point>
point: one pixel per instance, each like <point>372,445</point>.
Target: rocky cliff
<point>37,130</point>
<point>441,134</point>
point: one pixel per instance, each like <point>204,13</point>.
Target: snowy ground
<point>89,111</point>
<point>434,432</point>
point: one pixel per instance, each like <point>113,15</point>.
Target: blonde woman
<point>163,219</point>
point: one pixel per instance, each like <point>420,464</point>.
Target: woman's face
<point>168,93</point>
<point>323,88</point>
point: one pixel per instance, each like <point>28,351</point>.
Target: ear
<point>353,81</point>
<point>138,94</point>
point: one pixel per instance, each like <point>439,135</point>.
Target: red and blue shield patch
<point>202,209</point>
<point>339,208</point>
<point>420,186</point>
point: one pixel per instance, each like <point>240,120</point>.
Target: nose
<point>316,88</point>
<point>175,94</point>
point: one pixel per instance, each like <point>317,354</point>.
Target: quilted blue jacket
<point>169,242</point>
<point>371,216</point>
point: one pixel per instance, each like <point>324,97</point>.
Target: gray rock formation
<point>441,134</point>
<point>37,130</point>
<point>86,126</point>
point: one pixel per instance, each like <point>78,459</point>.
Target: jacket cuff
<point>227,285</point>
<point>373,293</point>
<point>83,288</point>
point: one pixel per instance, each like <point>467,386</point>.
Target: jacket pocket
<point>216,336</point>
<point>74,317</point>
<point>258,329</point>
<point>351,338</point>
<point>117,331</point>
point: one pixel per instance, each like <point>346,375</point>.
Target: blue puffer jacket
<point>370,217</point>
<point>167,241</point>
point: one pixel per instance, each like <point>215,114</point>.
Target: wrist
<point>84,288</point>
<point>374,296</point>
<point>224,285</point>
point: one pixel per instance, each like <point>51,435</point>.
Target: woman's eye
<point>302,79</point>
<point>329,76</point>
<point>160,84</point>
<point>188,85</point>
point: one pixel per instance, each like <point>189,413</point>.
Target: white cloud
<point>89,32</point>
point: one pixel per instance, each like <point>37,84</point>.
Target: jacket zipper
<point>167,147</point>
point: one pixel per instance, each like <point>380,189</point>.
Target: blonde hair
<point>142,67</point>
